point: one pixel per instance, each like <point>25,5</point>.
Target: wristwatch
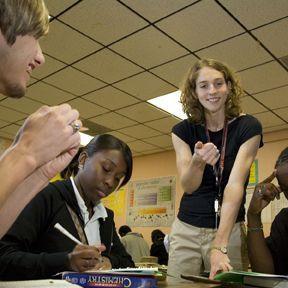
<point>222,249</point>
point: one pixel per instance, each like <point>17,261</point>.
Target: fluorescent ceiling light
<point>85,139</point>
<point>170,103</point>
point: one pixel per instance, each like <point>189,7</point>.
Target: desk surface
<point>182,283</point>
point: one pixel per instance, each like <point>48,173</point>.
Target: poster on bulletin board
<point>253,179</point>
<point>116,202</point>
<point>151,202</point>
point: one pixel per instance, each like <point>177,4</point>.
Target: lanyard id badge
<point>218,170</point>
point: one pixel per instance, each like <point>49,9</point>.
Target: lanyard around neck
<point>218,171</point>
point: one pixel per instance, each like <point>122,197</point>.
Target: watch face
<point>223,250</point>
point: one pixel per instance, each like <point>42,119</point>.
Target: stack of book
<point>117,278</point>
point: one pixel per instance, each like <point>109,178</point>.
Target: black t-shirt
<point>197,209</point>
<point>278,242</point>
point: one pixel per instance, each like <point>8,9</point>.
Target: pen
<point>70,236</point>
<point>66,233</point>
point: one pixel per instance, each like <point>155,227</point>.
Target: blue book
<point>112,278</point>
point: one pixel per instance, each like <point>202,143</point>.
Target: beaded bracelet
<point>254,229</point>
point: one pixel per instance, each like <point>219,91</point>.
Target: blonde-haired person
<point>215,148</point>
<point>49,138</point>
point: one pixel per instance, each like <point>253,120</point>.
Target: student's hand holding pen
<point>84,257</point>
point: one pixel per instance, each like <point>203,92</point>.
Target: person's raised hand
<point>207,153</point>
<point>263,194</point>
<point>84,257</point>
<point>49,132</point>
<point>55,166</point>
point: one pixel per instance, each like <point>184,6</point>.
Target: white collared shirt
<point>91,227</point>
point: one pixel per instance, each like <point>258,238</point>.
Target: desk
<point>182,283</point>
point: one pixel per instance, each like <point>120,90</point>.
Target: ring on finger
<point>259,192</point>
<point>75,126</point>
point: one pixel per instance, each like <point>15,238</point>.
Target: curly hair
<point>23,17</point>
<point>189,99</point>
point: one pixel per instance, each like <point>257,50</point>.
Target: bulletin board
<point>253,178</point>
<point>151,202</point>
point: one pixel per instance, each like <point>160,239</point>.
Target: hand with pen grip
<point>84,257</point>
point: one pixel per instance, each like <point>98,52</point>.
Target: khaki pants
<point>189,251</point>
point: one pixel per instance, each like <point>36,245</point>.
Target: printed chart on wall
<point>150,202</point>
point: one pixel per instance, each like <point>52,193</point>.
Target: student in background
<point>49,138</point>
<point>269,255</point>
<point>134,243</point>
<point>34,249</point>
<point>215,148</point>
<point>157,248</point>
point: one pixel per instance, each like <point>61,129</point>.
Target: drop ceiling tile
<point>139,131</point>
<point>104,21</point>
<point>48,94</point>
<point>111,98</point>
<point>275,98</point>
<point>268,119</point>
<point>239,52</point>
<point>164,125</point>
<point>122,137</point>
<point>175,71</point>
<point>86,109</point>
<point>10,115</point>
<point>253,13</point>
<point>11,129</point>
<point>32,81</point>
<point>275,128</point>
<point>283,113</point>
<point>250,106</point>
<point>51,65</point>
<point>21,122</point>
<point>208,23</point>
<point>74,81</point>
<point>140,146</point>
<point>153,151</point>
<point>3,123</point>
<point>113,121</point>
<point>156,9</point>
<point>160,141</point>
<point>107,66</point>
<point>6,135</point>
<point>263,77</point>
<point>145,86</point>
<point>56,6</point>
<point>142,112</point>
<point>24,104</point>
<point>69,48</point>
<point>149,48</point>
<point>275,37</point>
